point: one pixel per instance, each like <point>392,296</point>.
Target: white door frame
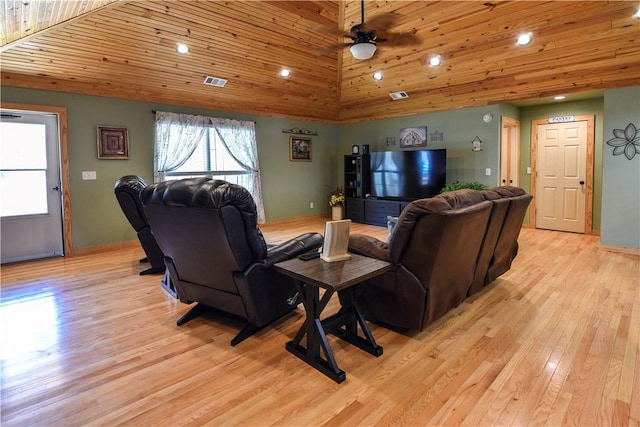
<point>588,215</point>
<point>61,112</point>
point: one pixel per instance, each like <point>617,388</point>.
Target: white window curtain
<point>178,135</point>
<point>239,137</point>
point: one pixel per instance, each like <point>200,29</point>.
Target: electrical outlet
<point>487,171</point>
<point>311,205</point>
<point>89,175</point>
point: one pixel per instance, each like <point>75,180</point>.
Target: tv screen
<point>408,175</point>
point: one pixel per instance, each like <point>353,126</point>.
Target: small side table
<point>342,277</point>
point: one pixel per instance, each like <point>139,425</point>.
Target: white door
<point>561,176</point>
<point>30,193</point>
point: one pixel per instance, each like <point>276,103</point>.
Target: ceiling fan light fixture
<point>363,50</point>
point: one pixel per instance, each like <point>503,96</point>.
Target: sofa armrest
<point>369,246</point>
<point>292,248</point>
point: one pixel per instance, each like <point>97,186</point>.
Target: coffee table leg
<point>316,337</point>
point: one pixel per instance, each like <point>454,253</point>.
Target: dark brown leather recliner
<point>216,254</point>
<point>447,248</point>
<point>127,190</point>
<point>435,245</point>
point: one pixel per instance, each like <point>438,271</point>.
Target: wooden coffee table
<point>341,277</point>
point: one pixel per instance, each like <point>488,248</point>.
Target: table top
<point>336,275</point>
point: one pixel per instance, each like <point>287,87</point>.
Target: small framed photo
<point>299,149</point>
<point>113,143</point>
<point>413,137</point>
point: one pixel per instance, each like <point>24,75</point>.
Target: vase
<point>337,213</point>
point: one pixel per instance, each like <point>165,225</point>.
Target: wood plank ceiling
<point>126,49</point>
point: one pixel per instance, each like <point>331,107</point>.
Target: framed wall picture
<point>413,137</point>
<point>299,149</point>
<point>113,143</point>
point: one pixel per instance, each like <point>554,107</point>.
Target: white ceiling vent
<point>215,81</point>
<point>398,95</point>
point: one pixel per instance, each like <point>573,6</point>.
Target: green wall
<point>459,127</point>
<point>621,180</point>
<point>290,187</point>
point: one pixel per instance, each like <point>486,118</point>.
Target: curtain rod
<point>154,111</point>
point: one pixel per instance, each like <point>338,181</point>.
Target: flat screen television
<point>408,175</point>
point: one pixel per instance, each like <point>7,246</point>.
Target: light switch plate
<point>487,171</point>
<point>89,175</point>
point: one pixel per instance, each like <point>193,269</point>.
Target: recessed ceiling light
<point>637,14</point>
<point>285,73</point>
<point>435,61</point>
<point>182,48</point>
<point>377,76</point>
<point>523,39</point>
<point>559,97</point>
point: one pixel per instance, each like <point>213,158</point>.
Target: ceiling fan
<point>366,36</point>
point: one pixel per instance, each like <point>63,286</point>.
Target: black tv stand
<point>359,206</point>
<point>376,211</point>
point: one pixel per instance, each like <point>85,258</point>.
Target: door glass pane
<point>23,193</point>
<point>23,164</point>
<point>23,146</point>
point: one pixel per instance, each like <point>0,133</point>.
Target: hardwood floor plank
<point>86,340</point>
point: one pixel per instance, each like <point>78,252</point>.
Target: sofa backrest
<point>438,241</point>
<point>507,245</point>
<point>496,221</point>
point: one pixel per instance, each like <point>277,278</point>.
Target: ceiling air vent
<point>398,95</point>
<point>215,81</point>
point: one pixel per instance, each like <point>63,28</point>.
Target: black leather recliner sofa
<point>217,256</point>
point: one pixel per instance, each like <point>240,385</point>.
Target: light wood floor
<point>555,341</point>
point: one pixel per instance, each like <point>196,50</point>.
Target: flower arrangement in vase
<point>336,201</point>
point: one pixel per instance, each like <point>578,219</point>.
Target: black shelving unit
<point>356,185</point>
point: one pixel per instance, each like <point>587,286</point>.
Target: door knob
<point>56,188</point>
<point>581,182</point>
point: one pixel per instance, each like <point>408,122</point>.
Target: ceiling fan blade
<point>398,39</point>
<point>382,22</point>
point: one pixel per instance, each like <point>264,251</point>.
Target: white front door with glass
<point>30,193</point>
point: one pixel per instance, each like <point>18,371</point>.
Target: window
<point>189,146</point>
<point>211,158</point>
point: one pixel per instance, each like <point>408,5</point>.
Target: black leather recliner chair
<point>127,190</point>
<point>216,254</point>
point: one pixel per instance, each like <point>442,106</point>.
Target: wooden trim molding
<point>118,246</point>
<point>61,113</point>
<point>590,119</point>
